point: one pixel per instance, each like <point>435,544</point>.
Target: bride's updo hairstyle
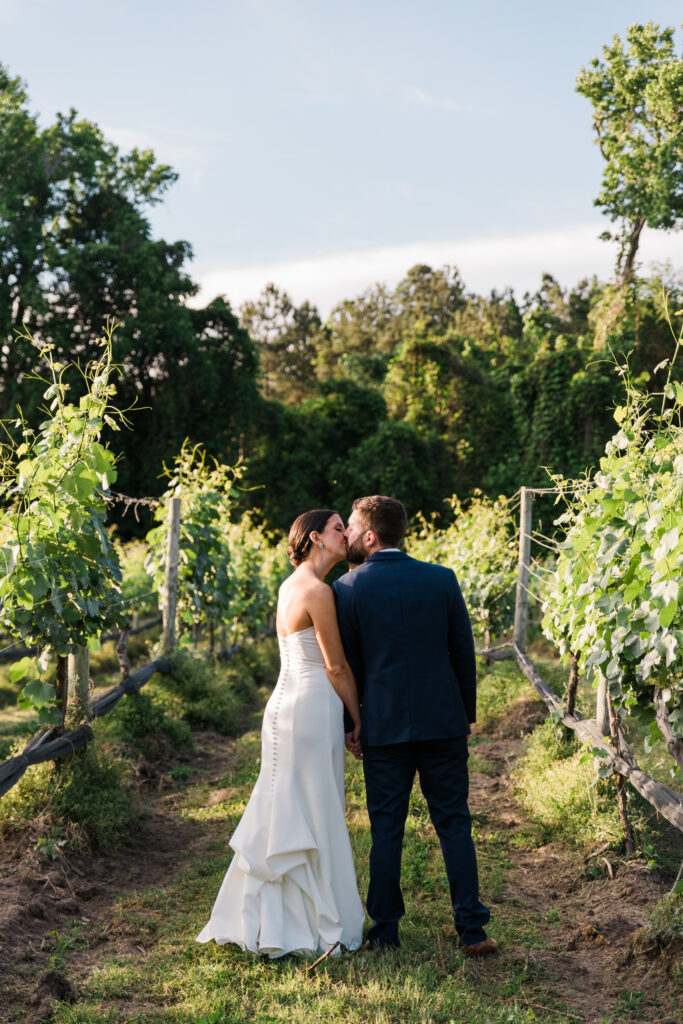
<point>303,526</point>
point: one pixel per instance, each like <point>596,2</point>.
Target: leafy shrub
<point>215,695</point>
<point>666,922</point>
<point>87,790</point>
<point>91,792</point>
<point>141,720</point>
<point>202,695</point>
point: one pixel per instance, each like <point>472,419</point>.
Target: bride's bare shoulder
<point>305,586</point>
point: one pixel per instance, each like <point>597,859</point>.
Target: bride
<point>291,886</point>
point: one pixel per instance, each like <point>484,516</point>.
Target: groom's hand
<point>352,743</point>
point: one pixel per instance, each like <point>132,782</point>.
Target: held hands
<point>352,741</point>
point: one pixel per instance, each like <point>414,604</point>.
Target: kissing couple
<point>383,663</point>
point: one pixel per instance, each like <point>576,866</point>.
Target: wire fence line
<point>35,649</point>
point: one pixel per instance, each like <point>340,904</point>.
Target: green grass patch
<point>85,795</point>
<point>178,981</point>
<point>140,722</point>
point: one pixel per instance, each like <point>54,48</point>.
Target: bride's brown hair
<point>303,526</point>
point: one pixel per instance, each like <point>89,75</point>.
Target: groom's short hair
<point>386,517</point>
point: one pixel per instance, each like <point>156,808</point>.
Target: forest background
<point>422,391</point>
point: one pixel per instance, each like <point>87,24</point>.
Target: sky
<point>326,145</point>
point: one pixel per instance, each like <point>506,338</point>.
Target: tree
<point>395,459</point>
<point>76,248</point>
<point>361,336</point>
<point>286,337</point>
<point>637,97</point>
<point>429,296</point>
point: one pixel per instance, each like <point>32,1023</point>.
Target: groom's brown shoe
<point>483,948</point>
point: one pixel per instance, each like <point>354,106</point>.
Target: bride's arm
<point>324,614</point>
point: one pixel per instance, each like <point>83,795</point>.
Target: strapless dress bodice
<point>300,648</point>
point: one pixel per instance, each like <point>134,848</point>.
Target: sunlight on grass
<point>174,980</point>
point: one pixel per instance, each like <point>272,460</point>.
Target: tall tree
<point>430,297</point>
<point>76,248</point>
<point>287,341</point>
<point>637,95</point>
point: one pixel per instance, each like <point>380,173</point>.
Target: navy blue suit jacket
<point>408,640</point>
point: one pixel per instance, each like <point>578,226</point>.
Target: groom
<point>407,637</point>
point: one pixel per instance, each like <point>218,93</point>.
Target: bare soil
<point>40,897</point>
<point>588,911</point>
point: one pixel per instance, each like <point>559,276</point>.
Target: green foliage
<point>204,592</point>
<point>138,591</point>
<point>616,599</point>
<point>141,720</point>
<point>395,459</point>
<point>666,921</point>
<point>93,795</point>
<point>287,338</point>
<point>206,696</point>
<point>60,582</point>
<point>229,570</point>
<point>87,791</point>
<point>480,546</point>
<point>636,96</point>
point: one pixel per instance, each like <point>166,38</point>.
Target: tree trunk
<point>630,248</point>
<point>122,650</point>
<point>619,779</point>
<point>572,686</point>
<point>62,690</point>
<point>487,645</point>
<point>79,686</point>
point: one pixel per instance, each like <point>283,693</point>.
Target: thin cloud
<point>441,104</point>
<point>515,261</point>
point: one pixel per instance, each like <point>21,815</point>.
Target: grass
<point>165,977</point>
<point>155,972</point>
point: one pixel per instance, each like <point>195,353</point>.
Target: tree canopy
<point>637,95</point>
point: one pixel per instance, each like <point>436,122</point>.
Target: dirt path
<point>584,926</point>
<point>44,899</point>
<point>588,910</point>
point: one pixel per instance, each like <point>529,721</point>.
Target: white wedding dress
<point>291,886</point>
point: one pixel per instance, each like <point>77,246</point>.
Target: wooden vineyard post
<point>122,649</point>
<point>170,591</point>
<point>78,673</point>
<point>572,687</point>
<point>602,707</point>
<point>61,690</point>
<point>522,596</point>
<point>629,845</point>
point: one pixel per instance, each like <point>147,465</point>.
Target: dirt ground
<point>590,946</point>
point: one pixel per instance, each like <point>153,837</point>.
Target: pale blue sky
<point>328,145</point>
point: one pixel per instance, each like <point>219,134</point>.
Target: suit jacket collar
<point>387,556</point>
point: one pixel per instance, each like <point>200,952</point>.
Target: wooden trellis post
<point>522,596</point>
<point>78,674</point>
<point>602,707</point>
<point>170,592</point>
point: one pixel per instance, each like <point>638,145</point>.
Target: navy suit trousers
<point>389,774</point>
